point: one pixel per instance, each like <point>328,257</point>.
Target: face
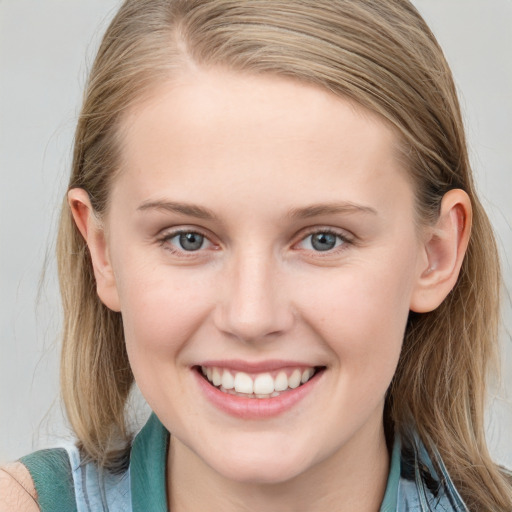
<point>261,232</point>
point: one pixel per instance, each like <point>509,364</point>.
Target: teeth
<point>216,377</point>
<point>228,381</point>
<point>294,379</point>
<point>243,383</point>
<point>281,382</point>
<point>263,385</point>
<point>306,375</point>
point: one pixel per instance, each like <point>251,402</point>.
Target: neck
<point>354,478</point>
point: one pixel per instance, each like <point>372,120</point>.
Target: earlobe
<point>444,248</point>
<point>94,236</point>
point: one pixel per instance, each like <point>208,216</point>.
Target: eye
<point>322,241</point>
<point>188,241</point>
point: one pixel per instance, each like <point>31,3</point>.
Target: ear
<point>94,236</point>
<point>444,248</point>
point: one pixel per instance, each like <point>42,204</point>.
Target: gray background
<point>45,50</point>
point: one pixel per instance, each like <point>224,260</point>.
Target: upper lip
<point>255,367</point>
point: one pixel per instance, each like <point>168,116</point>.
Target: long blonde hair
<point>378,53</point>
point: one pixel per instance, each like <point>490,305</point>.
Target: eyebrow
<point>317,210</point>
<point>190,210</point>
<point>306,212</point>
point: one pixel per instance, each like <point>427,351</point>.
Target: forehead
<point>255,137</point>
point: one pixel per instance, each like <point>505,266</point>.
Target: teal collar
<point>389,504</point>
<point>148,462</point>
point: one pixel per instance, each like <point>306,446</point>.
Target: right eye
<point>188,241</point>
<point>185,241</point>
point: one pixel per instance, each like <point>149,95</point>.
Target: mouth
<point>259,386</point>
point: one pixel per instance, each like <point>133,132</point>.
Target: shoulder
<point>39,481</point>
<point>17,490</point>
<point>52,477</point>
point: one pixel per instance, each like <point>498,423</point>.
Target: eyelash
<point>342,241</point>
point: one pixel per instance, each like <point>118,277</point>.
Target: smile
<point>256,392</point>
<point>259,385</point>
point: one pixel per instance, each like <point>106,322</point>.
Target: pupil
<point>323,241</point>
<point>191,241</point>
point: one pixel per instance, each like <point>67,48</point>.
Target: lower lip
<point>255,408</point>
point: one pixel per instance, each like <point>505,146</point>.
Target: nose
<point>254,305</point>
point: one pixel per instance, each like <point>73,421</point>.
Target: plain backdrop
<point>46,47</point>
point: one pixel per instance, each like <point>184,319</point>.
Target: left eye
<point>322,241</point>
<point>188,241</point>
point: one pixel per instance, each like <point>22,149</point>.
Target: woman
<point>271,226</point>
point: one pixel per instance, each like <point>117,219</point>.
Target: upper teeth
<point>258,384</point>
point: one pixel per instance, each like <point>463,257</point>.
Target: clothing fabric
<point>64,483</point>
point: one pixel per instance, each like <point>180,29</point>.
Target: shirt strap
<point>51,472</point>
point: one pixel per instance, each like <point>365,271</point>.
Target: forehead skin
<point>213,131</point>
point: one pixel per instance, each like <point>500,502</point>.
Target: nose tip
<point>254,306</point>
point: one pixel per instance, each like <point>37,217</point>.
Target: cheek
<point>161,308</point>
<point>361,312</point>
<point>162,311</point>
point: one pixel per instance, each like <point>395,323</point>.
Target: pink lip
<point>255,408</point>
<point>238,365</point>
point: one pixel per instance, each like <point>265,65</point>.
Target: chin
<point>257,474</point>
<point>260,468</point>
